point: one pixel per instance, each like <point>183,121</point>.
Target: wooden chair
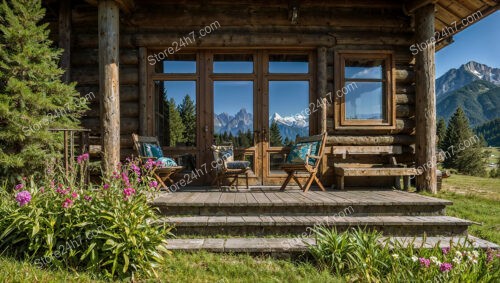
<point>227,167</point>
<point>162,174</point>
<point>310,163</point>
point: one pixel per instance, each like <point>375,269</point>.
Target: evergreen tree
<point>187,110</point>
<point>243,139</point>
<point>463,148</point>
<point>32,97</point>
<point>274,135</point>
<point>175,125</point>
<point>441,132</point>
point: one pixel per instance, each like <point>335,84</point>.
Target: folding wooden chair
<point>227,167</point>
<point>162,174</point>
<point>305,156</point>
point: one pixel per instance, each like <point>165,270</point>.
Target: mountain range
<point>475,88</point>
<point>289,126</point>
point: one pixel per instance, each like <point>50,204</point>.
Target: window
<point>364,90</point>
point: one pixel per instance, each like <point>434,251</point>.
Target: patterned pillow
<point>152,150</point>
<point>298,153</point>
<point>238,165</point>
<point>167,162</point>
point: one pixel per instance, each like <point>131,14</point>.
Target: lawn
<point>188,267</point>
<point>476,199</point>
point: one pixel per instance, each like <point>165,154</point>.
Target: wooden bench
<point>391,168</point>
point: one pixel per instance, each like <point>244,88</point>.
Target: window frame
<point>389,100</point>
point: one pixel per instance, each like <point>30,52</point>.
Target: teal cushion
<point>152,150</point>
<point>298,153</point>
<point>238,164</point>
<point>300,150</point>
<point>167,162</point>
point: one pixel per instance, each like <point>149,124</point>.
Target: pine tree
<point>32,97</point>
<point>441,132</point>
<point>175,125</point>
<point>463,148</point>
<point>187,110</point>
<point>274,135</point>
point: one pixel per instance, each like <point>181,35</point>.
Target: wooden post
<point>65,38</point>
<point>143,91</point>
<point>109,82</point>
<point>425,77</point>
<point>322,80</point>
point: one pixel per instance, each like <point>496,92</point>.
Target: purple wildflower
<point>445,250</point>
<point>74,195</point>
<point>18,187</point>
<point>82,158</point>
<point>87,198</point>
<point>128,192</point>
<point>23,198</point>
<point>425,262</point>
<point>136,169</point>
<point>445,267</point>
<point>105,187</point>
<point>67,203</point>
<point>153,184</point>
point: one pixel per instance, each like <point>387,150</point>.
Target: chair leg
<point>339,182</point>
<point>397,182</point>
<point>246,178</point>
<point>297,181</point>
<point>161,181</point>
<point>320,185</point>
<point>309,182</point>
<point>406,182</point>
<point>288,178</point>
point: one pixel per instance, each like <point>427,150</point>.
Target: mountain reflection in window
<point>365,102</point>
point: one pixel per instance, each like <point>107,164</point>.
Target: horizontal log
<point>129,75</point>
<point>128,93</point>
<point>405,110</point>
<point>403,126</point>
<point>404,158</point>
<point>405,98</point>
<point>90,56</point>
<point>373,38</point>
<point>405,88</point>
<point>370,140</point>
<point>127,125</point>
<point>127,110</point>
<point>403,75</point>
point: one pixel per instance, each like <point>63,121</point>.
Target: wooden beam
<point>143,91</point>
<point>125,5</point>
<point>412,5</point>
<point>425,102</point>
<point>65,38</point>
<point>109,30</point>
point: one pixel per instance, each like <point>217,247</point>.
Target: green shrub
<point>108,229</point>
<point>358,255</point>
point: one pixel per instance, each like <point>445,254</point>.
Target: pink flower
<point>67,203</point>
<point>62,191</point>
<point>74,195</point>
<point>18,187</point>
<point>153,184</point>
<point>445,250</point>
<point>445,267</point>
<point>87,198</point>
<point>82,158</point>
<point>149,164</point>
<point>105,187</point>
<point>42,190</point>
<point>424,262</point>
<point>128,192</point>
<point>136,169</point>
<point>23,198</point>
<point>125,179</point>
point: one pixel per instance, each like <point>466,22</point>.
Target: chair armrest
<point>314,156</point>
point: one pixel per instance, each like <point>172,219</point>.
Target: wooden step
<point>295,202</point>
<point>300,225</point>
<point>299,245</point>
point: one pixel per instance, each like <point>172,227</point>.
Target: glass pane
<point>233,63</point>
<point>233,112</point>
<point>365,102</point>
<point>177,64</point>
<point>276,160</point>
<point>289,64</point>
<point>288,111</point>
<point>364,69</point>
<point>176,112</point>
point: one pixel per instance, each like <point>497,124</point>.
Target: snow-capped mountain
<point>465,74</point>
<point>289,126</point>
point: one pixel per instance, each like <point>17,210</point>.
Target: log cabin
<point>249,66</point>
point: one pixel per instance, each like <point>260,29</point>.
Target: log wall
<point>331,25</point>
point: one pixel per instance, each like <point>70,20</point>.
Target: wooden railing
<point>76,142</point>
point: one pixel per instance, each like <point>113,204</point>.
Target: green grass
<point>476,199</point>
<point>187,267</point>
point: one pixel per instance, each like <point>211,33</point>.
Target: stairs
<point>266,220</point>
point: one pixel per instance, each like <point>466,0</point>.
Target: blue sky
<point>479,42</point>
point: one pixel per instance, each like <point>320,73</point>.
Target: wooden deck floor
<point>274,197</point>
